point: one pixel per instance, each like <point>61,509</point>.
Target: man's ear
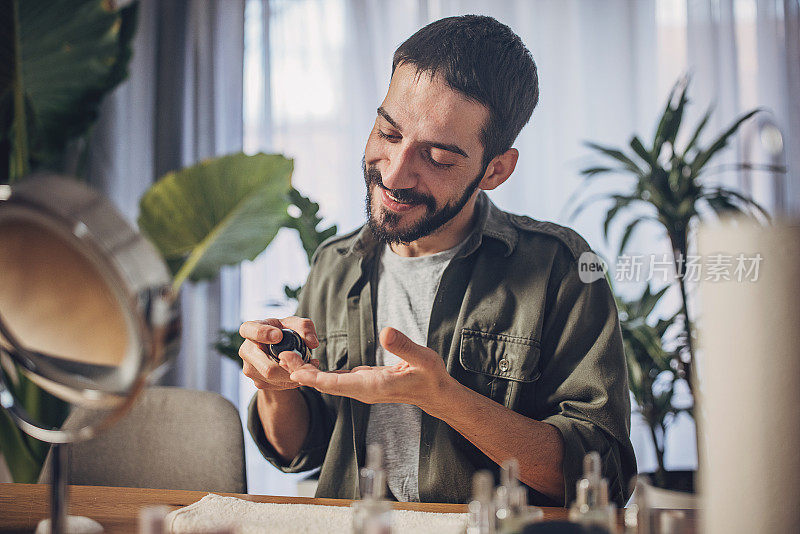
<point>499,169</point>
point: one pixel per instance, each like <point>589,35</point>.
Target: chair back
<point>172,438</point>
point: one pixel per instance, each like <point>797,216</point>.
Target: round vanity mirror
<point>86,306</point>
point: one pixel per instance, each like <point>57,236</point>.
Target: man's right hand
<point>265,373</point>
<point>283,412</point>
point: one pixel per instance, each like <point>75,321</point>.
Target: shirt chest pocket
<point>499,366</point>
<point>332,351</point>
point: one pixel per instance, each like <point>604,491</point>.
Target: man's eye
<point>388,137</point>
<point>438,165</point>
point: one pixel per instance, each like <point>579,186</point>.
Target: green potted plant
<point>667,185</point>
<point>652,372</point>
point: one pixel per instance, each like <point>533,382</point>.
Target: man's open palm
<point>418,379</point>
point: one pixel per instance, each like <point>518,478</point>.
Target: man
<point>454,334</point>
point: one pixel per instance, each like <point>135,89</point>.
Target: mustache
<point>373,177</point>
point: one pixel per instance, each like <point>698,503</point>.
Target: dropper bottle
<point>510,496</point>
<point>481,508</point>
<point>511,501</point>
<point>591,506</point>
<point>372,514</point>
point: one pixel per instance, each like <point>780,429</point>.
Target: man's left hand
<point>420,379</point>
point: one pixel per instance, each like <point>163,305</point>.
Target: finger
<point>290,360</point>
<point>263,367</point>
<point>400,345</point>
<point>264,331</point>
<point>308,375</point>
<point>304,327</point>
<point>347,384</point>
<point>250,372</point>
<point>253,358</point>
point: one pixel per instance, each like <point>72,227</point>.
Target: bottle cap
<point>291,341</point>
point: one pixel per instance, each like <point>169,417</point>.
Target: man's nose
<point>400,173</point>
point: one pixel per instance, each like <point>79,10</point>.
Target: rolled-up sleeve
<point>315,445</point>
<point>321,408</point>
<point>583,388</point>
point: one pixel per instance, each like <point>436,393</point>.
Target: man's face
<point>422,162</point>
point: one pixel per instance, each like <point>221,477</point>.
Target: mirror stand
<point>59,522</point>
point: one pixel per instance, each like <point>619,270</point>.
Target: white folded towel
<point>215,513</point>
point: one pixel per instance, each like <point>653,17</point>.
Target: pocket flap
<point>499,355</point>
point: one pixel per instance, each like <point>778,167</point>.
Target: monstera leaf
<point>60,58</point>
<point>220,212</point>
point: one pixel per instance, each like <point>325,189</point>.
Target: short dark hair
<point>484,60</point>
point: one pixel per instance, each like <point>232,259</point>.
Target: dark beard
<point>433,219</point>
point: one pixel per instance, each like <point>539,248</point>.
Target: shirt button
<point>504,365</point>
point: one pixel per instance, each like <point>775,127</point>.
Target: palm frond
<point>593,171</point>
<point>641,151</point>
<point>665,117</point>
<point>722,197</point>
<point>626,235</point>
<point>618,155</point>
<point>705,155</point>
<point>587,201</point>
<point>649,300</point>
<point>698,130</point>
<point>673,124</point>
<point>620,202</point>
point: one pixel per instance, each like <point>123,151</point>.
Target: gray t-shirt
<point>406,289</point>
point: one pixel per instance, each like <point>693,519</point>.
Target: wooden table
<point>23,505</point>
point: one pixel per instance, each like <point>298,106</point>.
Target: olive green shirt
<point>512,320</point>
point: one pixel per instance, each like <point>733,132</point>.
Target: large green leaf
<point>67,54</point>
<point>220,212</point>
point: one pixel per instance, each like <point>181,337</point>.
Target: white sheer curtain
<point>605,69</point>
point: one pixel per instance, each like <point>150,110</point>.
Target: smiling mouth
<point>399,201</point>
<point>395,204</point>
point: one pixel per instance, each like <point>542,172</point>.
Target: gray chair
<point>172,438</point>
